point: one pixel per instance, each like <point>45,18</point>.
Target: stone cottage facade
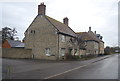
<point>49,38</point>
<point>101,43</point>
<point>99,39</point>
<point>94,43</point>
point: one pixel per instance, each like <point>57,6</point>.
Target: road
<point>105,69</point>
<point>98,68</point>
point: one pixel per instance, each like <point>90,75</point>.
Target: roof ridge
<point>94,37</point>
<point>50,21</point>
<point>80,32</point>
<point>86,36</point>
<point>66,30</point>
<point>54,19</point>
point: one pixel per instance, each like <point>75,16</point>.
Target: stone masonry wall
<point>16,53</point>
<point>43,36</point>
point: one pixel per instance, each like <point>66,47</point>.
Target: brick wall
<point>6,44</point>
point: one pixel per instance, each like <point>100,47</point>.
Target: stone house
<point>97,37</point>
<point>101,43</point>
<point>49,38</point>
<point>94,44</point>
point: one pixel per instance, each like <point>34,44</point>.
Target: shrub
<point>75,57</point>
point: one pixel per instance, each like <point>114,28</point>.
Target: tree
<point>77,43</point>
<point>8,33</point>
<point>107,50</point>
<point>81,43</point>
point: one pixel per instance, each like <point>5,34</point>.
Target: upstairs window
<point>33,31</point>
<point>63,38</point>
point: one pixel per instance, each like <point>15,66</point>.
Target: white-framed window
<point>47,51</point>
<point>85,43</point>
<point>63,38</point>
<point>62,51</point>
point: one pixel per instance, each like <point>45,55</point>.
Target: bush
<point>75,57</point>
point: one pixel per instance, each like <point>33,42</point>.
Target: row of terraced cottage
<point>48,38</point>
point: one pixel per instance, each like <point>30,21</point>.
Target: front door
<point>69,56</point>
<point>70,51</point>
<point>63,53</point>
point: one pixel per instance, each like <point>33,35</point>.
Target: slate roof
<point>16,43</point>
<point>61,27</point>
<point>87,37</point>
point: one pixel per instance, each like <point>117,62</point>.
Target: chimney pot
<point>65,21</point>
<point>41,9</point>
<point>95,32</point>
<point>101,37</point>
<point>89,28</point>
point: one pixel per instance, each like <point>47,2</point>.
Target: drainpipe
<point>58,48</point>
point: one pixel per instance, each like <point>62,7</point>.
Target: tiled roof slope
<point>58,25</point>
<point>94,36</point>
<point>85,36</point>
<point>15,43</point>
<point>61,27</point>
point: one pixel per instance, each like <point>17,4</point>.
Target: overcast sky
<point>101,15</point>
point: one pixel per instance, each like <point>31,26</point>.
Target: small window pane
<point>47,51</point>
<point>62,51</point>
<point>63,38</point>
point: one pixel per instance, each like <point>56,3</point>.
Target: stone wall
<point>16,53</point>
<point>82,52</point>
<point>101,48</point>
<point>92,47</point>
<point>67,45</point>
<point>40,36</point>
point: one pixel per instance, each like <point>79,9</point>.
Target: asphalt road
<point>98,68</point>
<point>105,69</point>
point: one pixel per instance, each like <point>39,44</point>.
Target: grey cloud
<point>20,15</point>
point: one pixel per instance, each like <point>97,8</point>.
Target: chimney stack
<point>41,9</point>
<point>65,21</point>
<point>89,28</point>
<point>101,37</point>
<point>95,32</point>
